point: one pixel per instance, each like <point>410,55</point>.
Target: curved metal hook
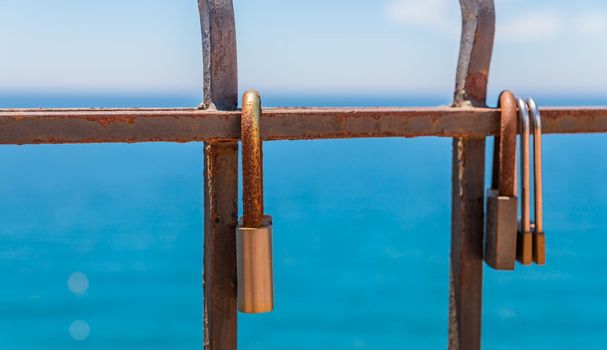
<point>504,148</point>
<point>220,76</point>
<point>523,113</point>
<point>465,302</point>
<point>537,164</point>
<point>252,160</point>
<point>218,34</point>
<point>478,29</point>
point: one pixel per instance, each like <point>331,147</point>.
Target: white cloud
<point>544,25</point>
<point>540,24</point>
<point>592,23</point>
<point>531,27</point>
<point>433,15</point>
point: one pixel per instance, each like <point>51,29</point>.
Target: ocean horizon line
<point>142,99</point>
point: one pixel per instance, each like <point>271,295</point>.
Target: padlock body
<point>524,247</point>
<point>255,273</point>
<point>539,247</point>
<point>500,231</point>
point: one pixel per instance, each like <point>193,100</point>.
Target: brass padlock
<point>254,232</point>
<point>539,239</point>
<point>501,223</point>
<point>524,239</point>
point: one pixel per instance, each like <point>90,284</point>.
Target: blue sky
<point>287,47</point>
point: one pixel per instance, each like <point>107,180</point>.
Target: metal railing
<point>217,123</point>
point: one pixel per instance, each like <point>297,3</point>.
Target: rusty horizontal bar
<point>56,126</point>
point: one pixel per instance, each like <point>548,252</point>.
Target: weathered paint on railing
<point>189,125</point>
<point>217,123</point>
<point>468,179</point>
<point>220,177</point>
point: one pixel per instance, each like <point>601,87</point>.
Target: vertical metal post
<point>220,211</point>
<point>220,178</point>
<point>466,279</point>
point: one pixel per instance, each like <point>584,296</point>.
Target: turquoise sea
<point>101,245</point>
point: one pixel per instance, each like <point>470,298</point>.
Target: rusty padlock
<point>539,239</point>
<point>524,239</point>
<point>254,232</point>
<point>501,223</point>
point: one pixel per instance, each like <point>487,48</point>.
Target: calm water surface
<point>101,245</point>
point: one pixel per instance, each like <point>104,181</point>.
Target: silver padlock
<point>524,239</point>
<point>254,232</point>
<point>539,238</point>
<point>501,220</point>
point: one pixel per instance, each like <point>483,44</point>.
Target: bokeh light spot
<point>78,283</point>
<point>80,330</point>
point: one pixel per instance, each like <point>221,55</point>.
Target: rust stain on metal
<point>476,86</point>
<point>107,121</point>
<point>476,47</point>
<point>219,125</point>
<point>220,81</point>
<point>220,217</point>
<point>99,126</point>
<point>467,206</point>
<point>252,161</point>
<point>220,78</point>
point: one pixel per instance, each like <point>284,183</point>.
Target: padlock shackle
<point>536,122</point>
<point>504,147</point>
<point>252,160</point>
<point>523,115</point>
